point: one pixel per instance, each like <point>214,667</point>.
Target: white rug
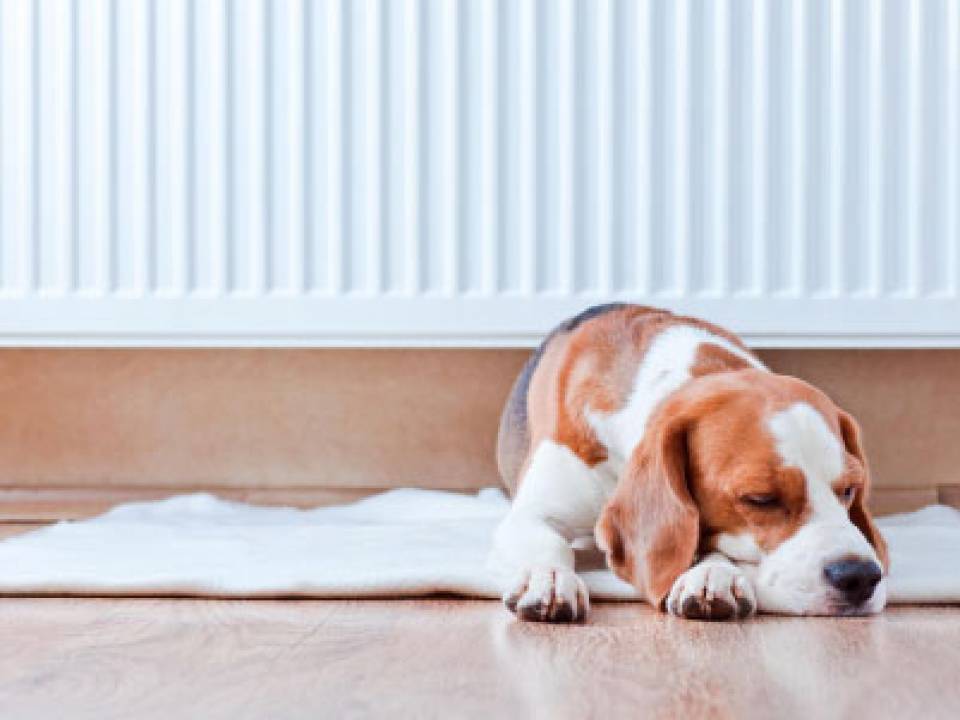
<point>399,543</point>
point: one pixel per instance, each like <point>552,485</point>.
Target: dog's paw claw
<point>712,591</point>
<point>548,595</point>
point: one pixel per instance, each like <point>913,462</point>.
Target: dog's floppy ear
<point>859,514</point>
<point>650,527</point>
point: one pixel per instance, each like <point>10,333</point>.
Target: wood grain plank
<point>949,495</point>
<point>446,658</point>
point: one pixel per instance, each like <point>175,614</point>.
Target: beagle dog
<point>712,485</point>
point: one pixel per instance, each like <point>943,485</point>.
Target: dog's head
<point>765,469</point>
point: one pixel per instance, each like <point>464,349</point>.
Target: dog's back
<point>619,332</point>
<point>513,440</point>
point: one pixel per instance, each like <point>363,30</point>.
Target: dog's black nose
<point>856,579</point>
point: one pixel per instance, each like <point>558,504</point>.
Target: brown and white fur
<point>712,485</point>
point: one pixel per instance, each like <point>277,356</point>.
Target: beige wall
<point>80,429</point>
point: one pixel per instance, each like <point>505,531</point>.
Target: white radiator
<point>397,172</point>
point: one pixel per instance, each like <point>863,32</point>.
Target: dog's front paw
<point>712,591</point>
<point>548,594</point>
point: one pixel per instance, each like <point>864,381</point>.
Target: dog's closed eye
<point>762,501</point>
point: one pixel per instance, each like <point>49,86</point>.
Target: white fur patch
<point>804,441</point>
<point>562,489</point>
<point>738,546</point>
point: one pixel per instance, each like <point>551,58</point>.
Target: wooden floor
<point>443,658</point>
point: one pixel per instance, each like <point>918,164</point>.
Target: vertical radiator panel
<point>428,172</point>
